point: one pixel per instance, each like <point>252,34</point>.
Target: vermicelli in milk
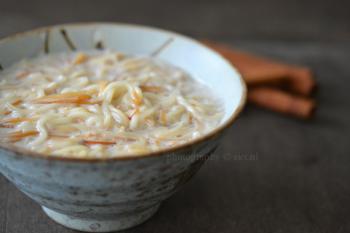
<point>102,104</point>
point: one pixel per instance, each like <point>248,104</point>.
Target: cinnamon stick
<point>282,102</point>
<point>258,70</point>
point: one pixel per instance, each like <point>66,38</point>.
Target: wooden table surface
<point>271,173</point>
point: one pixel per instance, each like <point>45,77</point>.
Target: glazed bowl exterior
<point>100,195</point>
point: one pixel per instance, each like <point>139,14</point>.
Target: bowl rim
<point>211,134</point>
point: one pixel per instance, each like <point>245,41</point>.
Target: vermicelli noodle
<point>102,104</point>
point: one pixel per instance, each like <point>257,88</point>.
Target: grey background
<point>272,173</point>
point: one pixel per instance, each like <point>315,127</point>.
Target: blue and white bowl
<point>101,195</point>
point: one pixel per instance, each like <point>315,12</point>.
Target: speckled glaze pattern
<point>101,195</point>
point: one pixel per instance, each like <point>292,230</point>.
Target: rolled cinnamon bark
<point>282,102</point>
<point>258,70</point>
<point>301,80</point>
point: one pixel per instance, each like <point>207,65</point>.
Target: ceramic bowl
<point>100,195</point>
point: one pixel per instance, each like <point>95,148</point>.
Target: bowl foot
<point>91,225</point>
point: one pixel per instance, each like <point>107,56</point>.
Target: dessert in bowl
<point>102,104</point>
<point>102,122</point>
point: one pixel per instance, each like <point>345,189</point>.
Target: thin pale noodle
<point>102,104</point>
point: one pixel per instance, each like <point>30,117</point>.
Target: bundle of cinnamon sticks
<point>273,85</point>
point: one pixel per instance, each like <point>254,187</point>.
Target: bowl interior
<point>200,62</point>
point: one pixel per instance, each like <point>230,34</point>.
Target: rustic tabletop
<point>271,173</point>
